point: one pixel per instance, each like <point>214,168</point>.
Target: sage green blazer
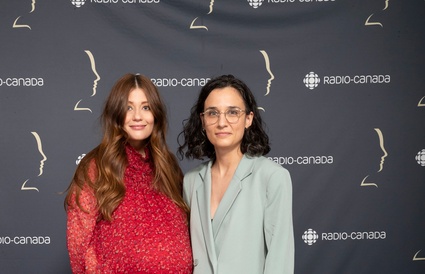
<point>252,230</point>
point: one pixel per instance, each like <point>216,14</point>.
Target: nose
<point>222,120</point>
<point>137,114</point>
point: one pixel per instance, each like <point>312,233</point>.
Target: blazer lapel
<point>244,170</point>
<point>203,195</point>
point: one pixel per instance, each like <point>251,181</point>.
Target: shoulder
<point>195,171</point>
<point>195,176</point>
<point>275,178</point>
<point>273,175</point>
<point>87,169</point>
<point>266,165</point>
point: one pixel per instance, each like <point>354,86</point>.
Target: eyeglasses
<point>232,115</point>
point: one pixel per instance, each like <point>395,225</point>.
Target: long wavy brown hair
<point>110,157</point>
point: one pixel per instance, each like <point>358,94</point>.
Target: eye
<point>129,108</point>
<point>146,108</point>
<point>233,112</point>
<point>212,113</point>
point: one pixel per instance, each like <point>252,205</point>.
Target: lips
<point>222,134</point>
<point>137,127</point>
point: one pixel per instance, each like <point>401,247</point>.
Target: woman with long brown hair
<point>124,205</point>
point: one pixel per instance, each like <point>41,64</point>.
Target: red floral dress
<point>148,233</point>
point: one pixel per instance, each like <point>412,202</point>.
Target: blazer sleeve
<point>80,227</point>
<point>278,224</point>
<point>189,181</point>
<point>186,190</point>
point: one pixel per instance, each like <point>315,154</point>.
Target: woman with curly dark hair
<point>125,208</point>
<point>241,202</point>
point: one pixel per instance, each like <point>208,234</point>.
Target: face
<point>139,120</point>
<point>223,135</point>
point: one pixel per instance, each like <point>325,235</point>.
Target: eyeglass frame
<point>241,111</point>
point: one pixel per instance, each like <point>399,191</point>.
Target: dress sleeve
<point>278,224</point>
<point>80,226</point>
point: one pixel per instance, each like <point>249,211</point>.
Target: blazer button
<point>195,262</point>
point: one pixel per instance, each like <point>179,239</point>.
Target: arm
<point>278,225</point>
<point>80,226</point>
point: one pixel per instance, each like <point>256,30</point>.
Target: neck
<point>227,162</point>
<point>139,147</point>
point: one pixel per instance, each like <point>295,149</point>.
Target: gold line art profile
<point>40,150</point>
<point>211,6</point>
<point>416,258</point>
<point>381,164</point>
<point>267,60</point>
<point>193,26</point>
<point>370,23</point>
<point>386,4</point>
<point>421,102</point>
<point>93,68</point>
<point>381,144</point>
<point>15,23</point>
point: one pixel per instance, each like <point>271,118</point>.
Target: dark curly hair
<point>195,144</point>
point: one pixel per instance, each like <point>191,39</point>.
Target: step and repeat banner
<point>340,84</point>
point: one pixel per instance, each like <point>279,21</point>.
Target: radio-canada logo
<point>255,3</point>
<point>311,80</point>
<point>310,236</point>
<point>78,3</point>
<point>420,157</point>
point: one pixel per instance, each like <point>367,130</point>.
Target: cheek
<point>127,118</point>
<point>208,132</point>
<point>241,130</point>
<point>150,119</point>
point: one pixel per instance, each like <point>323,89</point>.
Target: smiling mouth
<point>138,127</point>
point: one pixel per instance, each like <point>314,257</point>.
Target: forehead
<point>137,95</point>
<point>224,97</point>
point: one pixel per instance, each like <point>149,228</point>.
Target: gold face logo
<point>371,23</point>
<point>416,258</point>
<point>269,81</point>
<point>193,26</point>
<point>44,158</point>
<point>381,164</point>
<point>16,25</point>
<point>93,68</point>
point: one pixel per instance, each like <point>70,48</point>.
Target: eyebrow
<point>229,107</point>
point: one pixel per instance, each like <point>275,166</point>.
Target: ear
<point>248,119</point>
